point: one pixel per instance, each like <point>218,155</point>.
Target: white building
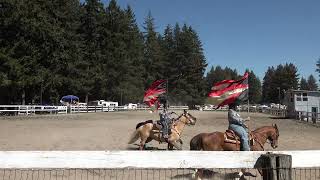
<point>302,100</point>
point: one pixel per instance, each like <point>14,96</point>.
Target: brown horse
<point>216,141</point>
<point>148,131</point>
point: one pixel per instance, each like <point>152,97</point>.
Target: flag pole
<point>167,87</point>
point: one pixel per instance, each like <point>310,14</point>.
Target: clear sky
<point>244,34</point>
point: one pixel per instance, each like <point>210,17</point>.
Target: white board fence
<point>146,159</point>
<point>34,109</point>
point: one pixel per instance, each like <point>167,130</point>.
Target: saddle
<point>231,137</point>
<point>159,129</point>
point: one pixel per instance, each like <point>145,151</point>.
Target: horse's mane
<point>262,128</point>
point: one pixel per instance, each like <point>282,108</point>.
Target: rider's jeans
<point>243,134</point>
<point>165,121</point>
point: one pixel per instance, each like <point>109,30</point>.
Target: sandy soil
<point>111,130</point>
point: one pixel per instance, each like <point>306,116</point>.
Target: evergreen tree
<point>168,49</point>
<point>318,67</point>
<point>28,37</point>
<point>303,84</point>
<point>117,25</point>
<point>190,64</point>
<point>267,85</point>
<point>127,51</point>
<point>154,65</point>
<point>134,48</point>
<point>92,19</point>
<point>284,77</point>
<point>312,84</point>
<point>255,94</point>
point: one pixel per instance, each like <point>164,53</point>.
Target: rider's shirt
<point>164,116</point>
<point>234,117</point>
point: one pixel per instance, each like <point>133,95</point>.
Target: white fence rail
<point>22,109</point>
<point>146,159</point>
<point>31,109</point>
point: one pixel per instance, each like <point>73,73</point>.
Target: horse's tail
<point>134,136</point>
<point>196,143</point>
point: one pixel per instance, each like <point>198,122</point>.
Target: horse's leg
<point>142,143</point>
<point>144,135</point>
<point>170,146</point>
<point>149,139</point>
<point>173,142</point>
<point>176,145</point>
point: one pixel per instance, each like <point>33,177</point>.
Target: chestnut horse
<point>216,142</point>
<point>149,130</point>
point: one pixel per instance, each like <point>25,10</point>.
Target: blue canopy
<point>69,98</point>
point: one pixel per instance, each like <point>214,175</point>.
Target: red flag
<point>152,94</point>
<point>229,91</point>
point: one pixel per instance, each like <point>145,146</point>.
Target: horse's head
<point>189,119</point>
<point>273,138</point>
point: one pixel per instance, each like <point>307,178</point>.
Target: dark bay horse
<point>216,141</point>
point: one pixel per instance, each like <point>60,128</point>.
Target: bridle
<point>187,115</point>
<point>270,138</point>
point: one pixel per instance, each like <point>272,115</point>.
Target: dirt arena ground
<point>111,130</point>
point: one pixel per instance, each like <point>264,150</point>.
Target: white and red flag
<point>229,91</point>
<point>153,92</point>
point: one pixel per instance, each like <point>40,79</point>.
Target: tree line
<point>53,48</point>
<point>97,51</point>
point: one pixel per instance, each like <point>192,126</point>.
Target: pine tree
<point>266,86</point>
<point>190,64</point>
<point>168,49</point>
<point>312,85</point>
<point>318,67</point>
<point>303,84</point>
<point>91,32</point>
<point>131,69</point>
<point>284,77</point>
<point>255,94</point>
<point>153,57</point>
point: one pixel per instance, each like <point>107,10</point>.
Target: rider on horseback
<point>236,123</point>
<point>165,118</point>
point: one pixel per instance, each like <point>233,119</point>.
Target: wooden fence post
<point>276,167</point>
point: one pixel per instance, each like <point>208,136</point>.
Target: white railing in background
<point>34,109</point>
<point>31,109</point>
<point>147,159</point>
<point>75,109</point>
